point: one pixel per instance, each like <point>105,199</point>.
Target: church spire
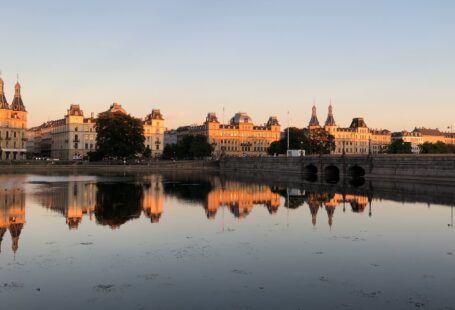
<point>314,122</point>
<point>330,119</point>
<point>17,104</point>
<point>3,101</point>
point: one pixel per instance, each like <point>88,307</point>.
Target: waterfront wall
<point>412,167</point>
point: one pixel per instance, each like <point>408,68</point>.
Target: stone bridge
<point>423,167</point>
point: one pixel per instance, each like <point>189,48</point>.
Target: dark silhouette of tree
<point>119,135</point>
<point>321,142</point>
<point>437,148</point>
<point>400,147</point>
<point>117,203</point>
<point>297,141</point>
<point>189,147</point>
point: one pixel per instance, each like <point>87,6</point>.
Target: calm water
<point>166,242</point>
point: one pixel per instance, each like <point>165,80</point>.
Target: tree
<point>147,152</point>
<point>189,147</point>
<point>321,142</point>
<point>119,135</point>
<point>437,148</point>
<point>400,147</point>
<point>297,141</point>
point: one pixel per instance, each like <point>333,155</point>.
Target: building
<point>170,137</point>
<point>154,132</point>
<point>74,136</point>
<point>355,139</point>
<point>421,135</point>
<point>13,125</point>
<point>12,208</point>
<point>241,137</point>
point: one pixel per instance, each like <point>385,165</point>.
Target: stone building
<point>13,125</point>
<point>154,132</point>
<point>355,139</point>
<point>421,135</point>
<point>74,136</point>
<point>240,137</point>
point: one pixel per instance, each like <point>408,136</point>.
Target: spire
<point>314,122</point>
<point>15,231</point>
<point>3,101</point>
<point>330,119</point>
<point>2,233</point>
<point>17,104</point>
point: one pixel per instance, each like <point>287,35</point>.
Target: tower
<point>330,125</point>
<point>314,122</point>
<point>17,104</point>
<point>3,101</point>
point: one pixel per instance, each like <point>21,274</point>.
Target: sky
<point>389,61</point>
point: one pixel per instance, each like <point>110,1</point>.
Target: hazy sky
<point>389,61</point>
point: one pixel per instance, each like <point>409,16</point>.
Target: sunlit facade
<point>13,125</point>
<point>240,137</point>
<point>74,136</point>
<point>355,139</point>
<point>421,135</point>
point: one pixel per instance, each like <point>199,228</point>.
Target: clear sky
<point>389,61</point>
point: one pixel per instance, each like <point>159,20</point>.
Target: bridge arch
<point>310,169</point>
<point>356,171</point>
<point>332,173</point>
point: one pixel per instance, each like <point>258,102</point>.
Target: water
<point>210,242</point>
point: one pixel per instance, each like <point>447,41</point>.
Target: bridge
<point>419,167</point>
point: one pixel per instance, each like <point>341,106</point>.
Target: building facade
<point>421,135</point>
<point>13,125</point>
<point>74,136</point>
<point>241,137</point>
<point>154,132</point>
<point>355,139</point>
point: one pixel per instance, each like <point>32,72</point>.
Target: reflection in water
<point>117,203</point>
<point>269,224</point>
<point>12,208</point>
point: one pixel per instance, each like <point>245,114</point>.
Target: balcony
<point>76,140</point>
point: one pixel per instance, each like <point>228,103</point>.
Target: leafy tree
<point>147,152</point>
<point>400,147</point>
<point>119,135</point>
<point>315,141</point>
<point>297,141</point>
<point>437,148</point>
<point>189,147</point>
<point>321,142</point>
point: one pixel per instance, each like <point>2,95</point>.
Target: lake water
<point>211,242</point>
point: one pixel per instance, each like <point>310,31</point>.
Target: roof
<point>330,121</point>
<point>314,118</point>
<point>75,110</point>
<point>241,117</point>
<point>17,104</point>
<point>428,131</point>
<point>116,107</point>
<point>358,122</point>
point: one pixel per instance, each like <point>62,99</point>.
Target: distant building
<point>170,137</point>
<point>13,125</point>
<point>74,136</point>
<point>238,138</point>
<point>421,135</point>
<point>154,132</point>
<point>355,139</point>
<point>71,137</point>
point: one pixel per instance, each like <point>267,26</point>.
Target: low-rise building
<point>240,137</point>
<point>421,135</point>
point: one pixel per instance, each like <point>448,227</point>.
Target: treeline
<point>189,147</point>
<point>314,141</point>
<point>401,147</point>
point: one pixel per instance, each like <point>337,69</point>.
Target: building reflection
<point>240,199</point>
<point>12,209</point>
<point>153,199</point>
<point>73,199</point>
<point>115,203</point>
